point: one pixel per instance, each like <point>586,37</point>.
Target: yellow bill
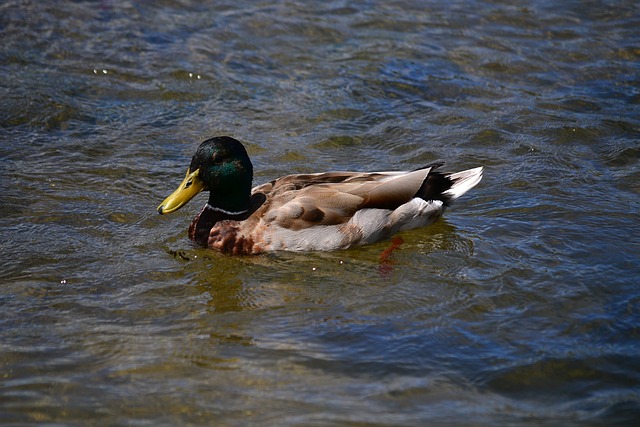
<point>190,186</point>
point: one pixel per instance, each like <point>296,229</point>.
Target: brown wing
<point>301,201</point>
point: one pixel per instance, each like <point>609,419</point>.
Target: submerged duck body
<point>308,212</point>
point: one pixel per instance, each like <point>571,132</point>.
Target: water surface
<point>521,307</point>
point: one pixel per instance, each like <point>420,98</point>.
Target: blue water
<point>520,307</point>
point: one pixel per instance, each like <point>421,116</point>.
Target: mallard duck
<point>307,212</point>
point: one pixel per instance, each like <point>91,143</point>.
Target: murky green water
<point>521,307</point>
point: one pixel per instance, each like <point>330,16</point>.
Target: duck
<point>307,212</point>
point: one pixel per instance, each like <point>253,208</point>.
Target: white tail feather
<point>463,182</point>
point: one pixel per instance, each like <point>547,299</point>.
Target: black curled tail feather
<point>447,187</point>
<point>434,187</point>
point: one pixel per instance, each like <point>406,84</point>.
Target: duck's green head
<point>220,165</point>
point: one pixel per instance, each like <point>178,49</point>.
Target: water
<point>521,307</point>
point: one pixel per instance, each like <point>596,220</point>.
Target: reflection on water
<point>520,307</point>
